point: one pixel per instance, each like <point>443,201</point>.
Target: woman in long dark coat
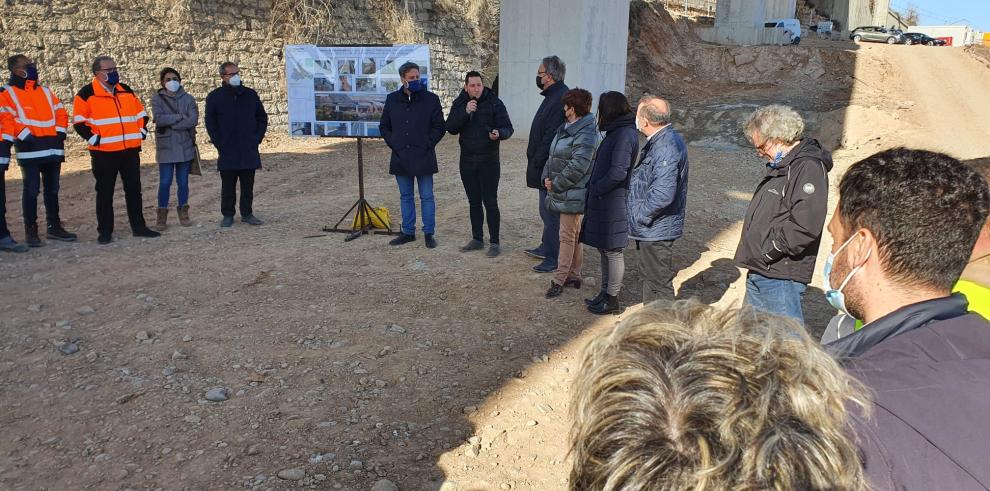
<point>606,226</point>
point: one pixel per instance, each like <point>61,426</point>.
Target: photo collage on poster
<point>341,91</point>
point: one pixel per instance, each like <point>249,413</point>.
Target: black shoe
<point>609,306</point>
<point>555,290</point>
<point>105,239</point>
<point>494,250</point>
<point>431,243</point>
<point>57,232</point>
<point>146,232</point>
<point>573,282</point>
<point>9,244</point>
<point>545,267</point>
<point>536,252</point>
<point>596,300</point>
<point>31,235</point>
<point>474,245</point>
<point>402,239</point>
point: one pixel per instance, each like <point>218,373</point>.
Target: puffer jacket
<point>569,165</point>
<point>476,146</point>
<point>658,188</point>
<point>606,224</point>
<point>176,118</point>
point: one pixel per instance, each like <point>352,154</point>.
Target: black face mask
<point>539,82</point>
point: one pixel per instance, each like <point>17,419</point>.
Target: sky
<point>976,13</point>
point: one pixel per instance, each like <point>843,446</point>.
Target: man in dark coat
<point>657,198</point>
<point>482,121</point>
<point>783,226</point>
<point>549,117</point>
<point>412,125</point>
<point>903,232</point>
<point>236,122</point>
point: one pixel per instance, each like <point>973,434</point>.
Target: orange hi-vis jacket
<point>110,122</point>
<point>34,121</point>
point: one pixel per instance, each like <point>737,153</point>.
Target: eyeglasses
<point>238,72</point>
<point>109,70</point>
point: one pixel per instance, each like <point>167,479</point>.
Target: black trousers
<point>228,191</point>
<point>106,166</point>
<point>481,185</point>
<point>3,202</point>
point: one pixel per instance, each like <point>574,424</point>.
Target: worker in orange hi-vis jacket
<point>112,120</point>
<point>34,124</point>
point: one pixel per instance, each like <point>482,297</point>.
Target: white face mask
<point>235,80</point>
<point>172,85</point>
<point>836,297</point>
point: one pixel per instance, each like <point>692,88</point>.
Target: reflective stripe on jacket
<point>109,122</point>
<point>33,120</point>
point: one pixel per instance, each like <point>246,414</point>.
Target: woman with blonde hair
<point>684,396</point>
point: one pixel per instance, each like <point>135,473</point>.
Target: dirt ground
<point>353,362</point>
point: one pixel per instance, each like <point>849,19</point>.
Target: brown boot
<point>161,222</point>
<point>184,216</point>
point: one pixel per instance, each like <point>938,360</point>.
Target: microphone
<point>471,114</point>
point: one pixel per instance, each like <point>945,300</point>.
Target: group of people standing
<point>111,117</point>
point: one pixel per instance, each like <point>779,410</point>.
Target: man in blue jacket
<point>236,122</point>
<point>903,231</point>
<point>657,198</point>
<point>412,125</point>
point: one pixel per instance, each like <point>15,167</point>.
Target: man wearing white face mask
<point>903,231</point>
<point>236,122</point>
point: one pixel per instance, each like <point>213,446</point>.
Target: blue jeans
<point>33,174</point>
<point>408,203</point>
<point>550,243</point>
<point>165,173</point>
<point>781,297</point>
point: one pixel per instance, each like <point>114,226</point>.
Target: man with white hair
<point>782,230</point>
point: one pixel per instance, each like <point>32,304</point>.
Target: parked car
<point>877,34</point>
<point>919,38</point>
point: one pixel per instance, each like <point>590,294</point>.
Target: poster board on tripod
<point>340,91</point>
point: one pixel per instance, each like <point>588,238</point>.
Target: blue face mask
<point>113,78</point>
<point>835,297</point>
<point>417,85</point>
<point>32,72</point>
<point>776,160</point>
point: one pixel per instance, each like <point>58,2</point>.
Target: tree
<point>910,15</point>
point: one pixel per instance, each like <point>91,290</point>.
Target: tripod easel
<point>364,212</point>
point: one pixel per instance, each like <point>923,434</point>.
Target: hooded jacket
<point>175,117</point>
<point>605,223</point>
<point>236,122</point>
<point>658,189</point>
<point>33,121</point>
<point>926,365</point>
<point>782,230</point>
<point>569,166</point>
<point>547,119</point>
<point>474,128</point>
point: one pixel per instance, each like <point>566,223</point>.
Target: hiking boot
<point>545,267</point>
<point>252,220</point>
<point>31,235</point>
<point>161,221</point>
<point>494,250</point>
<point>228,221</point>
<point>145,232</point>
<point>573,282</point>
<point>184,215</point>
<point>431,243</point>
<point>104,239</point>
<point>474,245</point>
<point>55,231</point>
<point>403,238</point>
<point>555,290</point>
<point>596,299</point>
<point>10,245</point>
<point>609,306</point>
<point>536,252</point>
